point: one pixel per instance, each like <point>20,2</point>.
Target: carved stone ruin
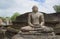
<point>34,34</point>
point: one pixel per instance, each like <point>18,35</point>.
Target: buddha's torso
<point>35,17</point>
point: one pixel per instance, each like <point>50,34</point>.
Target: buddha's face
<point>35,9</point>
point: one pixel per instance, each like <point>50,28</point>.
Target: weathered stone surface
<point>51,20</point>
<point>34,36</point>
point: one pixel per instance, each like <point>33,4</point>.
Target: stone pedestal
<point>28,35</point>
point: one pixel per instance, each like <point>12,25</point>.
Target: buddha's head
<point>35,8</point>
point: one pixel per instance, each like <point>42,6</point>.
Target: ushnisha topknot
<point>34,6</point>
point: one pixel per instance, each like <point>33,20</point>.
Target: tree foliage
<point>14,16</point>
<point>57,8</point>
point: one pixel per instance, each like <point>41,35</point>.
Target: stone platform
<point>26,35</point>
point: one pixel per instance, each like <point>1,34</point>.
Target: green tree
<point>14,16</point>
<point>2,18</point>
<point>57,8</point>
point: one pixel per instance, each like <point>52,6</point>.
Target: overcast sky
<point>8,7</point>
